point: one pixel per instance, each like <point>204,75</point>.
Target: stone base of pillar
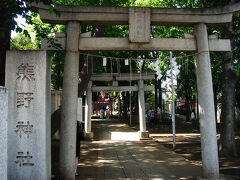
<point>143,135</point>
<point>88,135</point>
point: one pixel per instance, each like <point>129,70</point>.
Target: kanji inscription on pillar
<point>139,24</point>
<point>24,128</point>
<point>26,71</point>
<point>24,99</point>
<point>28,83</point>
<point>24,159</point>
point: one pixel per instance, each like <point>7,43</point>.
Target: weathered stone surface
<point>119,15</point>
<point>139,24</point>
<point>141,106</point>
<point>88,109</point>
<point>206,105</point>
<point>122,77</point>
<point>88,135</point>
<point>69,104</point>
<point>115,83</point>
<point>60,41</point>
<point>143,135</point>
<point>3,133</point>
<point>161,44</point>
<point>79,110</point>
<point>120,88</point>
<point>188,43</point>
<point>28,84</point>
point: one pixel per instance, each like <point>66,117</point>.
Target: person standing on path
<point>193,119</point>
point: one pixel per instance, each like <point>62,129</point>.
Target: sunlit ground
<point>117,153</point>
<point>124,136</point>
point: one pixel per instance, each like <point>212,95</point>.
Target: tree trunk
<point>187,103</point>
<point>228,144</point>
<point>125,104</point>
<point>160,95</point>
<point>120,106</point>
<point>187,99</point>
<point>5,45</point>
<point>84,78</point>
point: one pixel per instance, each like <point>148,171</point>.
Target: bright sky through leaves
<point>21,22</point>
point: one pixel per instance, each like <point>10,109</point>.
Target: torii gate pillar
<point>69,104</point>
<point>88,112</point>
<point>143,133</point>
<point>206,105</point>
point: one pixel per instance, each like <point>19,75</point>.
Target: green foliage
<point>22,42</point>
<point>154,3</point>
<point>116,31</point>
<point>187,79</point>
<point>150,98</point>
<point>11,8</point>
<point>57,60</point>
<point>236,23</point>
<point>46,31</point>
<point>94,2</point>
<point>25,41</point>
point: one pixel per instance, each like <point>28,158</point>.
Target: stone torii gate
<point>143,133</point>
<point>139,20</point>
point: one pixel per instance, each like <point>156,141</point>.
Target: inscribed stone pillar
<point>28,84</point>
<point>3,132</point>
<point>141,103</point>
<point>88,111</point>
<point>69,104</point>
<point>206,105</point>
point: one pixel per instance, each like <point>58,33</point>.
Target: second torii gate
<point>139,20</point>
<point>143,133</point>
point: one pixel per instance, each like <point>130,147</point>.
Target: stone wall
<point>3,133</point>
